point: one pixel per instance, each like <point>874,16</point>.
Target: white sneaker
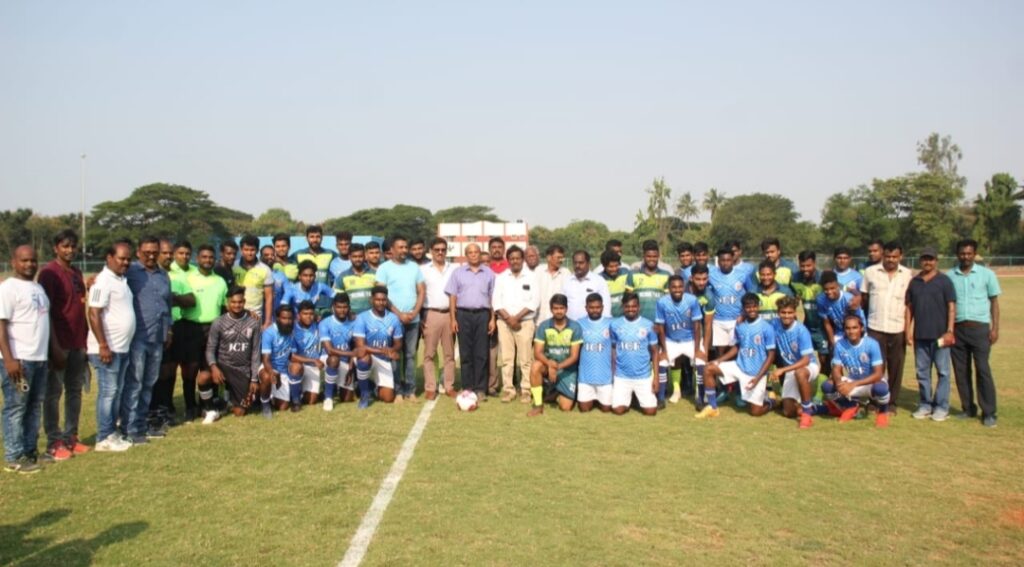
<point>328,404</point>
<point>211,416</point>
<point>113,444</point>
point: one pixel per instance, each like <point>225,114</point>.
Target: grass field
<point>495,488</point>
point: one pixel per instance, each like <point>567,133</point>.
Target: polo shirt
<point>471,289</point>
<point>358,287</point>
<point>65,289</point>
<point>401,280</point>
<point>110,293</point>
<point>322,258</point>
<point>25,307</point>
<point>929,302</point>
<point>577,290</point>
<point>254,279</point>
<point>211,295</point>
<point>974,293</point>
<point>513,293</point>
<point>179,286</point>
<point>151,297</point>
<point>617,287</point>
<point>435,281</point>
<point>886,298</point>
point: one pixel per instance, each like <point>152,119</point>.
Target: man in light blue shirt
<point>406,291</point>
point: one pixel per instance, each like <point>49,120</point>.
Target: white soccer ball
<point>466,400</point>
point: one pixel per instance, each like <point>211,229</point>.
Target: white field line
<point>368,527</point>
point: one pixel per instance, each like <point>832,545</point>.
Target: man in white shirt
<point>883,292</point>
<point>582,283</point>
<point>437,329</point>
<point>24,341</point>
<point>111,317</point>
<point>550,279</point>
<point>515,301</point>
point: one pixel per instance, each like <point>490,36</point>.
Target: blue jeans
<point>927,354</point>
<point>110,382</point>
<point>143,372</point>
<point>22,410</point>
<point>410,344</point>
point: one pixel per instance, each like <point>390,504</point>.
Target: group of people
<point>264,329</point>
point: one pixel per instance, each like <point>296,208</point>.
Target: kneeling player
<point>378,336</point>
<point>745,363</point>
<point>796,363</point>
<point>595,368</point>
<point>556,351</point>
<point>336,339</point>
<point>283,377</point>
<point>636,351</point>
<point>233,353</point>
<point>307,351</point>
<point>857,374</point>
<point>679,322</point>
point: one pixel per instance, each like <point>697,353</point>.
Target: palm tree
<point>659,196</point>
<point>712,200</point>
<point>686,207</point>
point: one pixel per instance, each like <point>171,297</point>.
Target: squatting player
<point>595,368</point>
<point>796,365</point>
<point>307,350</point>
<point>336,338</point>
<point>282,377</point>
<point>857,373</point>
<point>378,336</point>
<point>556,352</point>
<point>233,354</point>
<point>636,353</point>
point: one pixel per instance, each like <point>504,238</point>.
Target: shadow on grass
<point>14,540</point>
<point>17,548</point>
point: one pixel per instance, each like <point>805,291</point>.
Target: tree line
<point>919,208</point>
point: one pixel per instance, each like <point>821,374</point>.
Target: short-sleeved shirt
<point>835,311</point>
<point>307,340</point>
<point>677,318</point>
<point>633,340</point>
<point>179,286</point>
<point>515,293</point>
<point>26,308</point>
<point>595,367</point>
<point>211,296</point>
<point>321,258</point>
<point>793,343</point>
<point>338,333</point>
<point>576,291</point>
<point>550,284</point>
<point>254,279</point>
<point>929,303</point>
<point>280,347</point>
<point>65,289</point>
<point>358,287</point>
<point>378,332</point>
<point>729,291</point>
<point>753,340</point>
<point>318,294</point>
<point>281,285</point>
<point>337,267</point>
<point>471,289</point>
<point>110,293</point>
<point>974,293</point>
<point>849,280</point>
<point>706,300</point>
<point>435,281</point>
<point>769,307</point>
<point>807,291</point>
<point>558,343</point>
<point>401,280</point>
<point>617,287</point>
<point>290,270</point>
<point>649,287</point>
<point>886,298</point>
<point>858,360</point>
<point>151,296</point>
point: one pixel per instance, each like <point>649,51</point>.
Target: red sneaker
<point>59,452</point>
<point>882,420</point>
<point>833,409</point>
<point>77,447</point>
<point>849,414</point>
<point>806,420</point>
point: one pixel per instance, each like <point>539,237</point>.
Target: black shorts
<point>189,346</point>
<point>237,381</point>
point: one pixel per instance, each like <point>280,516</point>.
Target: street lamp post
<point>82,179</point>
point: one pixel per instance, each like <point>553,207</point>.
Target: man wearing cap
<point>883,296</point>
<point>931,310</point>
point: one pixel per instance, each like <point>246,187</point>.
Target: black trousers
<point>474,348</point>
<point>972,346</point>
<point>894,355</point>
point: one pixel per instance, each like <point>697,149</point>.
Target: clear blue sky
<point>548,111</point>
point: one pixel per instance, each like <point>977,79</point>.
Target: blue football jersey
<point>678,318</point>
<point>595,366</point>
<point>836,310</point>
<point>320,294</point>
<point>753,340</point>
<point>858,360</point>
<point>850,280</point>
<point>279,347</point>
<point>793,343</point>
<point>633,340</point>
<point>378,332</point>
<point>729,292</point>
<point>338,333</point>
<point>307,340</point>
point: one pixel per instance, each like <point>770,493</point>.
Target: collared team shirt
<point>279,347</point>
<point>617,286</point>
<point>253,279</point>
<point>808,292</point>
<point>558,343</point>
<point>211,295</point>
<point>729,291</point>
<point>338,333</point>
<point>322,259</point>
<point>337,267</point>
<point>858,360</point>
<point>650,287</point>
<point>358,288</point>
<point>595,367</point>
<point>836,310</point>
<point>753,340</point>
<point>633,340</point>
<point>793,343</point>
<point>378,332</point>
<point>307,340</point>
<point>678,317</point>
<point>769,301</point>
<point>319,294</point>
